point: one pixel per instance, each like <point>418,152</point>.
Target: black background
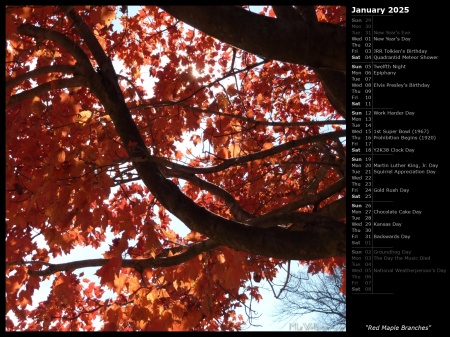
<point>414,299</point>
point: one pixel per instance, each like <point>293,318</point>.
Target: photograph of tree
<point>196,152</point>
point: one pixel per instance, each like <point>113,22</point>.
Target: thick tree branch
<point>91,41</point>
<point>321,46</point>
<point>60,39</point>
<point>302,221</point>
<point>334,83</point>
<point>308,13</point>
<point>104,84</point>
<point>287,13</point>
<point>335,210</point>
<point>292,41</point>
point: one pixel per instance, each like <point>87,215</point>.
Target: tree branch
<point>57,68</point>
<point>60,39</point>
<point>247,119</point>
<point>302,221</point>
<point>309,244</point>
<point>243,159</point>
<point>238,213</point>
<point>138,264</point>
<point>308,13</point>
<point>334,83</point>
<point>292,41</point>
<point>319,45</point>
<point>310,200</point>
<point>287,13</point>
<point>62,83</point>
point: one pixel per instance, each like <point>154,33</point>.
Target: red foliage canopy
<point>116,119</point>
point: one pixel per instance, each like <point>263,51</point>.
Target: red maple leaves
<point>222,124</point>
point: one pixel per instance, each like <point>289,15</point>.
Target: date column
<point>361,193</point>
